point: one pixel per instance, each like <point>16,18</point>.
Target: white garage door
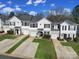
<point>54,36</point>
<point>33,33</point>
<point>25,31</point>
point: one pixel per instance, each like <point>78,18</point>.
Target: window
<point>46,32</point>
<point>22,23</point>
<point>26,23</point>
<point>62,27</point>
<point>74,28</point>
<point>12,23</point>
<point>69,27</point>
<point>55,27</point>
<point>65,27</point>
<point>46,25</point>
<point>68,35</point>
<point>34,25</point>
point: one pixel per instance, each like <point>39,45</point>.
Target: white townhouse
<point>38,26</point>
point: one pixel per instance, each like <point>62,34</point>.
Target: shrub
<point>1,31</point>
<point>10,32</point>
<point>60,39</point>
<point>76,39</point>
<point>69,39</point>
<point>46,36</point>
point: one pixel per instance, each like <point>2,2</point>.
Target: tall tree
<point>11,14</point>
<point>75,14</point>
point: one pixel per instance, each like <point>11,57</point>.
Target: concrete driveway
<point>5,44</point>
<point>64,52</point>
<point>27,49</point>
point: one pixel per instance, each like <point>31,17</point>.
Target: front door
<point>65,36</point>
<point>17,31</point>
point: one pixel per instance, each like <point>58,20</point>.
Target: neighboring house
<point>36,26</point>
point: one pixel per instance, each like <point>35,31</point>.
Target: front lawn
<point>7,36</point>
<point>74,45</point>
<point>45,50</point>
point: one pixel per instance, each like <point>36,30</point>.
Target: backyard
<point>74,45</point>
<point>7,36</point>
<point>45,50</point>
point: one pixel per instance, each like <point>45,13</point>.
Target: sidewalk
<point>64,52</point>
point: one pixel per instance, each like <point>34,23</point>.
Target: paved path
<point>6,44</point>
<point>27,49</point>
<point>64,52</point>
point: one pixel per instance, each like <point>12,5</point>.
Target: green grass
<point>74,45</point>
<point>7,36</point>
<point>16,45</point>
<point>45,49</point>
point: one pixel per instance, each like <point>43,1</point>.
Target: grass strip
<point>45,49</point>
<point>16,45</point>
<point>7,36</point>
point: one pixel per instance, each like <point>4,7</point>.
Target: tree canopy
<point>75,14</point>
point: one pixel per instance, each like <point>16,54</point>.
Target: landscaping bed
<point>7,36</point>
<point>16,45</point>
<point>45,49</point>
<point>74,45</point>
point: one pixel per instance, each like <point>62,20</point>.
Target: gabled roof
<point>27,17</point>
<point>69,22</point>
<point>24,17</point>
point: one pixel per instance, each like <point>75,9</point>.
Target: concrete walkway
<point>64,52</point>
<point>27,49</point>
<point>6,44</point>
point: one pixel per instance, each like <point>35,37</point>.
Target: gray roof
<point>69,22</point>
<point>24,17</point>
<point>30,18</point>
<point>4,17</point>
<point>35,18</point>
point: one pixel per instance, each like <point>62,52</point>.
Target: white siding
<point>42,22</point>
<point>16,20</point>
<point>71,32</point>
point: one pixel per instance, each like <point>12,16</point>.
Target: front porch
<point>17,31</point>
